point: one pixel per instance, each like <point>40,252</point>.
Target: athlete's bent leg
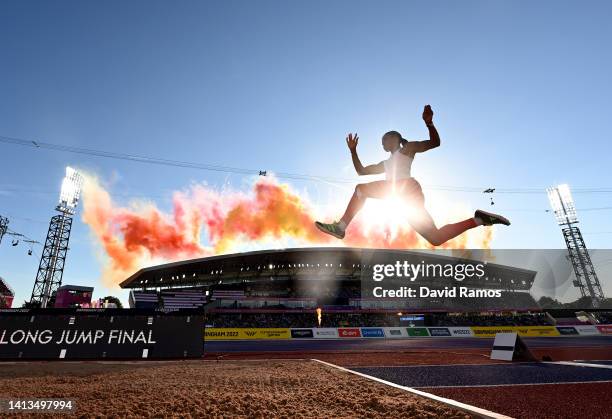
<point>363,191</point>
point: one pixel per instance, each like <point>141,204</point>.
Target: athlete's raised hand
<point>428,115</point>
<point>352,141</point>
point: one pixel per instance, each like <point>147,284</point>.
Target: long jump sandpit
<point>209,388</point>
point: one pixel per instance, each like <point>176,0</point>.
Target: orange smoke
<point>141,235</point>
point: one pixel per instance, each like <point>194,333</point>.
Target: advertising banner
<point>417,331</point>
<point>216,333</point>
<point>349,332</point>
<point>461,332</point>
<point>325,333</point>
<point>99,334</point>
<point>587,330</point>
<point>301,333</point>
<point>439,331</point>
<point>528,331</point>
<point>372,332</point>
<point>605,329</point>
<point>395,332</point>
<point>567,330</point>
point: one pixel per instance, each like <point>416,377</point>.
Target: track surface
<point>460,369</point>
<point>318,345</point>
<point>487,375</point>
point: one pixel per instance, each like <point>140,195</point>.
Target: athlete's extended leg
<point>425,226</point>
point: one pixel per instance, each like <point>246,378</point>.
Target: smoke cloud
<point>271,214</point>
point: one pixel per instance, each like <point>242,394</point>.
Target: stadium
<point>286,287</point>
<point>286,305</point>
<point>305,209</point>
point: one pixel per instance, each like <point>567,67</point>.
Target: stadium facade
<point>330,278</point>
<point>7,295</point>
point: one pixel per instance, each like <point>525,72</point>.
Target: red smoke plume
<point>141,235</point>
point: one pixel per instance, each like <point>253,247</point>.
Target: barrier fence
<point>213,333</point>
<point>100,334</point>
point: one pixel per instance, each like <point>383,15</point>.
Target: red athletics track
<point>584,400</point>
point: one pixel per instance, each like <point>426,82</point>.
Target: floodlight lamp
<point>71,190</point>
<point>562,204</point>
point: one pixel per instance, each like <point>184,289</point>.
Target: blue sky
<point>520,89</point>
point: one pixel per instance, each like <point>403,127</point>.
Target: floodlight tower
<point>3,226</point>
<point>51,267</point>
<point>565,212</point>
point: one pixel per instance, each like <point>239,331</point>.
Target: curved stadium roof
<point>311,263</point>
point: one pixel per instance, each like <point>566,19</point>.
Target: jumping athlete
<point>399,182</point>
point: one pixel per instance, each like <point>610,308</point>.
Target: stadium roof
<point>311,263</point>
<point>76,288</point>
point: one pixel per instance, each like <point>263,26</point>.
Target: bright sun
<point>390,214</point>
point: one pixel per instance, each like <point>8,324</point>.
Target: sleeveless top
<point>398,166</point>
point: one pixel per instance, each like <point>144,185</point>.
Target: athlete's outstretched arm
<point>373,169</point>
<point>434,138</point>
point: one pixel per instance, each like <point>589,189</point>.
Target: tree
<point>115,300</point>
<point>547,302</point>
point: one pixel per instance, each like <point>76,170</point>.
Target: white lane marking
<point>582,364</point>
<point>449,402</point>
<point>520,384</point>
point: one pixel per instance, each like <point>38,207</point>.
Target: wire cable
<point>244,171</point>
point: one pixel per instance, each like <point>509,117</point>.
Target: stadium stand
<point>187,298</point>
<point>603,317</point>
<point>518,319</point>
<point>285,319</point>
<point>143,299</point>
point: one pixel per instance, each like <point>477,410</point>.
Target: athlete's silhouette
<point>399,182</point>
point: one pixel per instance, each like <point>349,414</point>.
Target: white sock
<point>478,221</point>
<point>342,225</point>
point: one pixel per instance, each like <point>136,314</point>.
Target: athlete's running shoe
<point>333,229</point>
<point>488,218</point>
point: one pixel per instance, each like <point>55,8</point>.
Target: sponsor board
<point>439,331</point>
<point>605,329</point>
<point>325,333</point>
<point>374,332</point>
<point>587,330</point>
<point>100,334</point>
<point>349,332</point>
<point>417,331</point>
<point>567,330</point>
<point>461,332</point>
<point>301,333</point>
<point>395,332</point>
<point>529,331</point>
<point>220,333</point>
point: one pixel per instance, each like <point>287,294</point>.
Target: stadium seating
<point>187,298</point>
<point>285,319</point>
<point>143,299</point>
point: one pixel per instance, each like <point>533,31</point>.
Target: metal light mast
<point>565,212</point>
<point>51,267</point>
<point>3,226</point>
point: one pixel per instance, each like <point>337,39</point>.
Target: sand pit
<point>259,389</point>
